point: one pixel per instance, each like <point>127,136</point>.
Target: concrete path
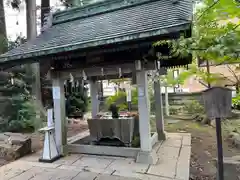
<point>173,164</point>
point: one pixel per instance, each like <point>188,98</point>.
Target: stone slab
<point>87,169</point>
<point>55,174</point>
<point>172,142</point>
<point>165,168</point>
<point>168,152</point>
<point>152,177</point>
<point>128,166</point>
<point>183,163</point>
<point>85,176</point>
<point>170,166</point>
<point>103,150</point>
<point>176,136</point>
<point>68,160</point>
<point>88,161</point>
<point>186,141</point>
<point>31,173</point>
<point>107,177</point>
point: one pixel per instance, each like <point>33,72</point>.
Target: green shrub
<point>193,107</point>
<point>78,102</point>
<point>236,102</point>
<point>121,102</point>
<point>20,115</point>
<point>119,99</point>
<point>174,110</point>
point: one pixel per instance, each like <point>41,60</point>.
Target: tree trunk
<point>44,67</point>
<point>45,9</point>
<point>35,69</point>
<point>208,73</point>
<point>3,33</point>
<point>31,34</point>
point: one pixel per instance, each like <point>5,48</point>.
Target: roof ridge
<point>103,6</point>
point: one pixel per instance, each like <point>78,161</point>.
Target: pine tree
<point>18,110</point>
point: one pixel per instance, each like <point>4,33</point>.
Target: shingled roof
<point>110,21</point>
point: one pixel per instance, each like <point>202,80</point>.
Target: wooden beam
<point>111,70</point>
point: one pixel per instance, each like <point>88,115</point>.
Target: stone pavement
<point>173,164</point>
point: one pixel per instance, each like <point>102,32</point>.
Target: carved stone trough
<point>121,129</point>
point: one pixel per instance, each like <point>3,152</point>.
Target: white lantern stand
<point>50,152</point>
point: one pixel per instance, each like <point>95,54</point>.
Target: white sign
<point>129,95</point>
<point>50,117</point>
<point>141,92</point>
<point>56,92</point>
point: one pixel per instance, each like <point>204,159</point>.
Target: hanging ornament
<point>71,77</point>
<point>12,81</point>
<point>120,72</point>
<point>102,72</point>
<point>158,65</point>
<point>84,75</point>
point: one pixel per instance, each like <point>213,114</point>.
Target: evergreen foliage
<point>17,105</point>
<point>76,100</point>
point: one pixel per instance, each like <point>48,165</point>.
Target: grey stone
<point>173,142</point>
<point>85,176</point>
<point>69,159</point>
<point>122,129</point>
<point>93,162</point>
<point>128,165</point>
<point>166,168</point>
<point>147,157</point>
<point>186,141</point>
<point>235,138</point>
<point>108,177</point>
<point>29,174</point>
<point>14,145</point>
<point>168,152</point>
<point>151,177</point>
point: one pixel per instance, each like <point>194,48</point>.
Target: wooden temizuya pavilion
<point>107,40</point>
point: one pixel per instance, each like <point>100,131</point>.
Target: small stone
<point>213,123</point>
<point>14,145</point>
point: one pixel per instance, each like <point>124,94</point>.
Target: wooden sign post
<point>217,103</point>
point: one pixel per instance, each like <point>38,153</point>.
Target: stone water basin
<point>106,127</point>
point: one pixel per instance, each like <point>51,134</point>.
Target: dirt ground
<point>204,150</point>
<point>77,126</point>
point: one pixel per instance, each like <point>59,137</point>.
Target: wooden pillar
<point>59,113</point>
<point>94,97</point>
<point>159,110</point>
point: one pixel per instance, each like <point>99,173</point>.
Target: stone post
<point>159,110</point>
<point>59,114</point>
<point>166,101</point>
<point>94,97</point>
<point>145,155</point>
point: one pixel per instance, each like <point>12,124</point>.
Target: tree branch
<point>233,73</point>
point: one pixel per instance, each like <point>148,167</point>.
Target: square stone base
<point>146,157</point>
<point>161,135</point>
